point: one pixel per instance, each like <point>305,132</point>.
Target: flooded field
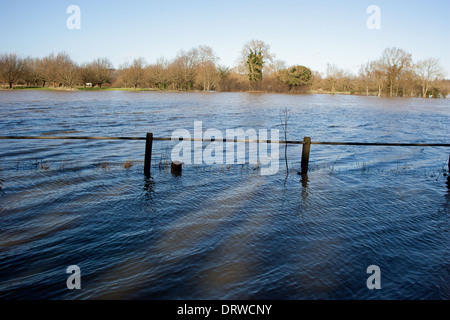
<point>222,231</point>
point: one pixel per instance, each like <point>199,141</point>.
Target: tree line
<point>393,74</point>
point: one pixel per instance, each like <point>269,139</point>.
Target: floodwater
<point>222,231</point>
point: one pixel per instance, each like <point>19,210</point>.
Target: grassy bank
<point>3,88</point>
<point>75,89</point>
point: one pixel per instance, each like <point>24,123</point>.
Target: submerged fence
<point>305,150</point>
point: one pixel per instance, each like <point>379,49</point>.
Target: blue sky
<point>311,33</point>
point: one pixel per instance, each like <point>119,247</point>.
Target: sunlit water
<point>219,231</point>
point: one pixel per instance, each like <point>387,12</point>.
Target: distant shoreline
<point>19,88</point>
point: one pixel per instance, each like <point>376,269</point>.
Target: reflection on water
<point>222,232</point>
<point>304,180</point>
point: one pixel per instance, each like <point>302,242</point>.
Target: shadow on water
<point>447,196</point>
<point>448,187</point>
<point>304,181</point>
<point>446,289</point>
<point>149,186</point>
<point>149,203</point>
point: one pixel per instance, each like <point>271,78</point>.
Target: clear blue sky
<point>311,33</point>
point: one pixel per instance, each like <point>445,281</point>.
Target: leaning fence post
<point>305,155</point>
<point>148,154</point>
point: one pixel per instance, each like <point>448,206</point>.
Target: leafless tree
<point>66,70</point>
<point>31,74</point>
<point>394,62</point>
<point>275,67</point>
<point>316,80</point>
<point>207,74</point>
<point>366,76</point>
<point>86,74</point>
<point>49,69</point>
<point>378,74</point>
<point>101,69</point>
<point>428,70</point>
<point>393,74</point>
<point>333,74</point>
<point>157,74</point>
<point>182,70</point>
<point>11,68</point>
<point>41,71</point>
<point>133,75</point>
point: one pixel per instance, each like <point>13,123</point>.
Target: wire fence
<point>305,152</point>
<point>228,140</point>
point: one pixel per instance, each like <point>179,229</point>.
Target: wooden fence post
<point>305,155</point>
<point>176,168</point>
<point>148,154</point>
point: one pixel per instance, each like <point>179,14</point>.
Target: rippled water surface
<point>221,231</point>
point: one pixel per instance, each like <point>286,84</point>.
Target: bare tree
<point>66,70</point>
<point>394,61</point>
<point>134,75</point>
<point>183,71</point>
<point>207,74</point>
<point>393,74</point>
<point>316,80</point>
<point>378,74</point>
<point>86,74</point>
<point>102,71</point>
<point>157,74</point>
<point>365,75</point>
<point>11,68</point>
<point>333,74</point>
<point>428,70</point>
<point>206,54</point>
<point>274,68</point>
<point>31,74</point>
<point>406,82</point>
<point>49,70</point>
<point>41,71</point>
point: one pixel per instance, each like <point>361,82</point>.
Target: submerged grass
<point>332,167</point>
<point>128,164</point>
<point>44,166</point>
<point>103,165</point>
<point>164,161</point>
